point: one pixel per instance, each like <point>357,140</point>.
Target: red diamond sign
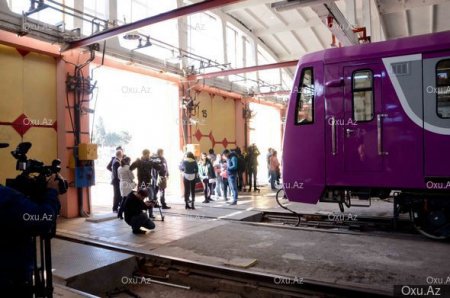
<point>198,135</point>
<point>21,125</point>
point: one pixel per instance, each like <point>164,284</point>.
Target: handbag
<point>212,180</point>
<point>162,182</point>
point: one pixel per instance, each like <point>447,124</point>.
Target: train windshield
<point>305,98</point>
<point>443,88</point>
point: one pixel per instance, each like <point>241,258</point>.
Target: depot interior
<point>80,78</point>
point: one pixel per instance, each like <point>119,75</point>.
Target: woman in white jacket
<point>126,178</point>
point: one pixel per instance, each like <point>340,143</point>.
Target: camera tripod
<point>154,198</point>
<point>42,278</point>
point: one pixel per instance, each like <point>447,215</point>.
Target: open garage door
<point>265,132</point>
<point>136,112</point>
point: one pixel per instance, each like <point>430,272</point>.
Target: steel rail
<point>260,279</point>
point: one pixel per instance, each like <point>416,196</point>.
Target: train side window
<point>362,89</point>
<point>305,98</point>
<point>443,88</point>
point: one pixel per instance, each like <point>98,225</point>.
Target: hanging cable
<point>277,197</point>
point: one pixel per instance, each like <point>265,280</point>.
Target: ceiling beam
<point>294,4</point>
<point>235,71</point>
<point>376,7</point>
<point>341,28</point>
<point>389,6</point>
<point>245,4</point>
<point>432,18</point>
<point>407,23</point>
<point>288,27</point>
<point>171,14</point>
<point>299,41</point>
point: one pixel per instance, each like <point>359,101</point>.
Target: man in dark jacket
<point>22,218</point>
<point>160,173</point>
<point>241,168</point>
<point>115,181</point>
<point>144,168</point>
<point>232,171</point>
<point>134,215</point>
<point>252,166</point>
<point>144,173</point>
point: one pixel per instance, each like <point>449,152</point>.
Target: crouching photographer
<point>29,206</point>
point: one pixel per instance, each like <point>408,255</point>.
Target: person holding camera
<point>24,217</point>
<point>134,215</point>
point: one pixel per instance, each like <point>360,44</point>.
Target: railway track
<point>340,221</point>
<point>188,274</point>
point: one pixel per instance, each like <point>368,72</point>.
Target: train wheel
<point>433,224</point>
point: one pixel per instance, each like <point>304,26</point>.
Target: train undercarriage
<point>428,211</point>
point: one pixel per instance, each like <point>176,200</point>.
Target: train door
<point>363,117</point>
<point>436,95</point>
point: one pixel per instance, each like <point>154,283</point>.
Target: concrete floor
<point>213,234</point>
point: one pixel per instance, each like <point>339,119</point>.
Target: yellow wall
<point>219,121</point>
<point>27,86</point>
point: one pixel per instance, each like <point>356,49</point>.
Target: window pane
<point>362,79</point>
<point>362,105</point>
<point>305,99</point>
<point>443,73</point>
<point>443,94</point>
<point>362,95</point>
<point>205,37</point>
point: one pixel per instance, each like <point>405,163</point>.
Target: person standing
<point>134,215</point>
<point>211,155</point>
<point>268,156</point>
<point>224,175</point>
<point>206,173</point>
<point>274,166</point>
<point>144,167</point>
<point>232,171</point>
<point>241,168</point>
<point>144,173</point>
<point>127,183</point>
<point>212,159</point>
<point>18,250</point>
<point>219,180</point>
<point>189,168</point>
<point>115,181</point>
<point>252,166</point>
<point>109,166</point>
<point>162,174</point>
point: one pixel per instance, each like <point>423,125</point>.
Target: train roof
<point>396,47</point>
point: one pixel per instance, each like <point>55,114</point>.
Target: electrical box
<point>194,148</point>
<point>72,162</point>
<point>87,151</point>
<point>84,176</point>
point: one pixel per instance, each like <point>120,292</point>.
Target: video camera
<point>33,179</point>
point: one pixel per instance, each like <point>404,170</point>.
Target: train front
<point>303,143</point>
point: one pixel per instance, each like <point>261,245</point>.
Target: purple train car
<point>371,120</point>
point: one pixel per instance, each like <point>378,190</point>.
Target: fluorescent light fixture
<point>292,4</point>
<point>133,35</point>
